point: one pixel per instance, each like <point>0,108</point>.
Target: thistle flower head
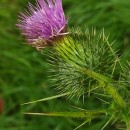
<point>43,22</point>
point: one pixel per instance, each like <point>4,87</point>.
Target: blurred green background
<point>23,70</point>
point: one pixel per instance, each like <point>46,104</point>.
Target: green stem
<point>106,83</point>
<point>115,95</point>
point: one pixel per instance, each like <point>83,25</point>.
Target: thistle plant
<point>84,64</point>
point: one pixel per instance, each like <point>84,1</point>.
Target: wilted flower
<point>43,22</point>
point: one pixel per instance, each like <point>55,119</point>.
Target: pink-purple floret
<point>45,20</point>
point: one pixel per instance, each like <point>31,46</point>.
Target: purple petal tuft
<point>43,21</point>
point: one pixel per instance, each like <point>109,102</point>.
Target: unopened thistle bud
<point>43,23</point>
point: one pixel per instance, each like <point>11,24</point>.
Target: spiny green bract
<point>78,51</point>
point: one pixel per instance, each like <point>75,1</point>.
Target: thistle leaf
<point>82,114</point>
<point>46,99</point>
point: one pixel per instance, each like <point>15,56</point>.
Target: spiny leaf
<point>83,114</point>
<point>86,121</point>
<point>46,99</point>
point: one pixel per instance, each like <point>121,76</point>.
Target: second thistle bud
<point>80,59</point>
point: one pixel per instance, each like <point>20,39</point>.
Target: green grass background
<point>23,70</point>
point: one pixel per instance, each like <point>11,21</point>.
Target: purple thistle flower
<point>43,22</point>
